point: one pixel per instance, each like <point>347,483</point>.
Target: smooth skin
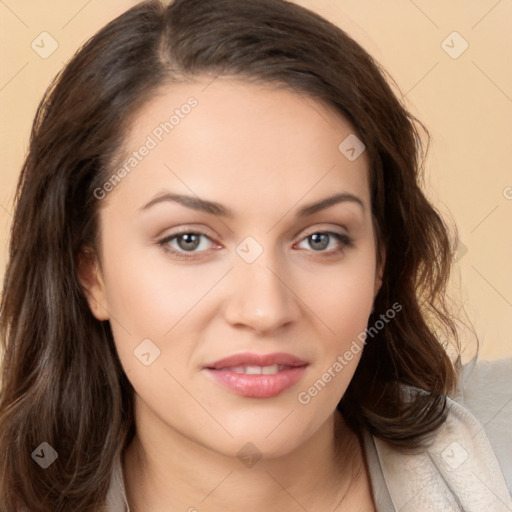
<point>263,152</point>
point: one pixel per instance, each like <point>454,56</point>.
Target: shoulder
<point>459,470</point>
<point>485,389</point>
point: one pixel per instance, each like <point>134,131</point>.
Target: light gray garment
<point>486,390</point>
<point>467,468</point>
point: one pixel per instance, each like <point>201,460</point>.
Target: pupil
<point>317,243</point>
<point>191,241</point>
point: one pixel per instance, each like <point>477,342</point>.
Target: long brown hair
<point>62,382</point>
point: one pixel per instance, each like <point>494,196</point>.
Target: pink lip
<point>257,386</point>
<point>248,359</point>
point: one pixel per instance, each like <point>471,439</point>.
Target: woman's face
<point>262,277</point>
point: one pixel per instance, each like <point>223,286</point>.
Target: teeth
<point>257,370</point>
<point>253,370</point>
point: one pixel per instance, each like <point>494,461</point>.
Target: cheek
<point>342,299</point>
<point>343,303</point>
<point>149,294</point>
<point>151,298</point>
<point>342,296</point>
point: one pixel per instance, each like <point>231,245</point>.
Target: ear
<point>379,272</point>
<point>93,285</point>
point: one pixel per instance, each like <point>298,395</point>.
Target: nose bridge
<point>260,297</point>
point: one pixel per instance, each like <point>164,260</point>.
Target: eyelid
<point>199,229</point>
<point>321,229</point>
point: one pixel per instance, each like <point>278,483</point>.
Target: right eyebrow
<point>192,202</point>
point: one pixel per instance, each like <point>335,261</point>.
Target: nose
<point>261,296</point>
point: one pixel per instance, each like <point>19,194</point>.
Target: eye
<point>321,240</point>
<point>186,242</point>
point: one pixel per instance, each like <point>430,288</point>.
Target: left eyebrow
<point>310,209</point>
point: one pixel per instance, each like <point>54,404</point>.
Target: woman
<point>225,286</point>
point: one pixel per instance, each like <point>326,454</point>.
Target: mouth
<point>256,370</point>
<point>257,375</point>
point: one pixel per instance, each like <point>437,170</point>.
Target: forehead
<point>235,141</point>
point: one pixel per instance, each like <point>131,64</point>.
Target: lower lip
<point>258,386</point>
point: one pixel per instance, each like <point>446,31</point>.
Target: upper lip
<point>251,359</point>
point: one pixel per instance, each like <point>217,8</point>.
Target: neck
<point>178,474</point>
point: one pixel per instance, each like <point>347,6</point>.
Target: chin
<point>269,439</point>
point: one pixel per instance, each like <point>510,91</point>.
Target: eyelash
<point>345,240</point>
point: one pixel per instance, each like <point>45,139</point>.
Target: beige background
<point>465,102</point>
